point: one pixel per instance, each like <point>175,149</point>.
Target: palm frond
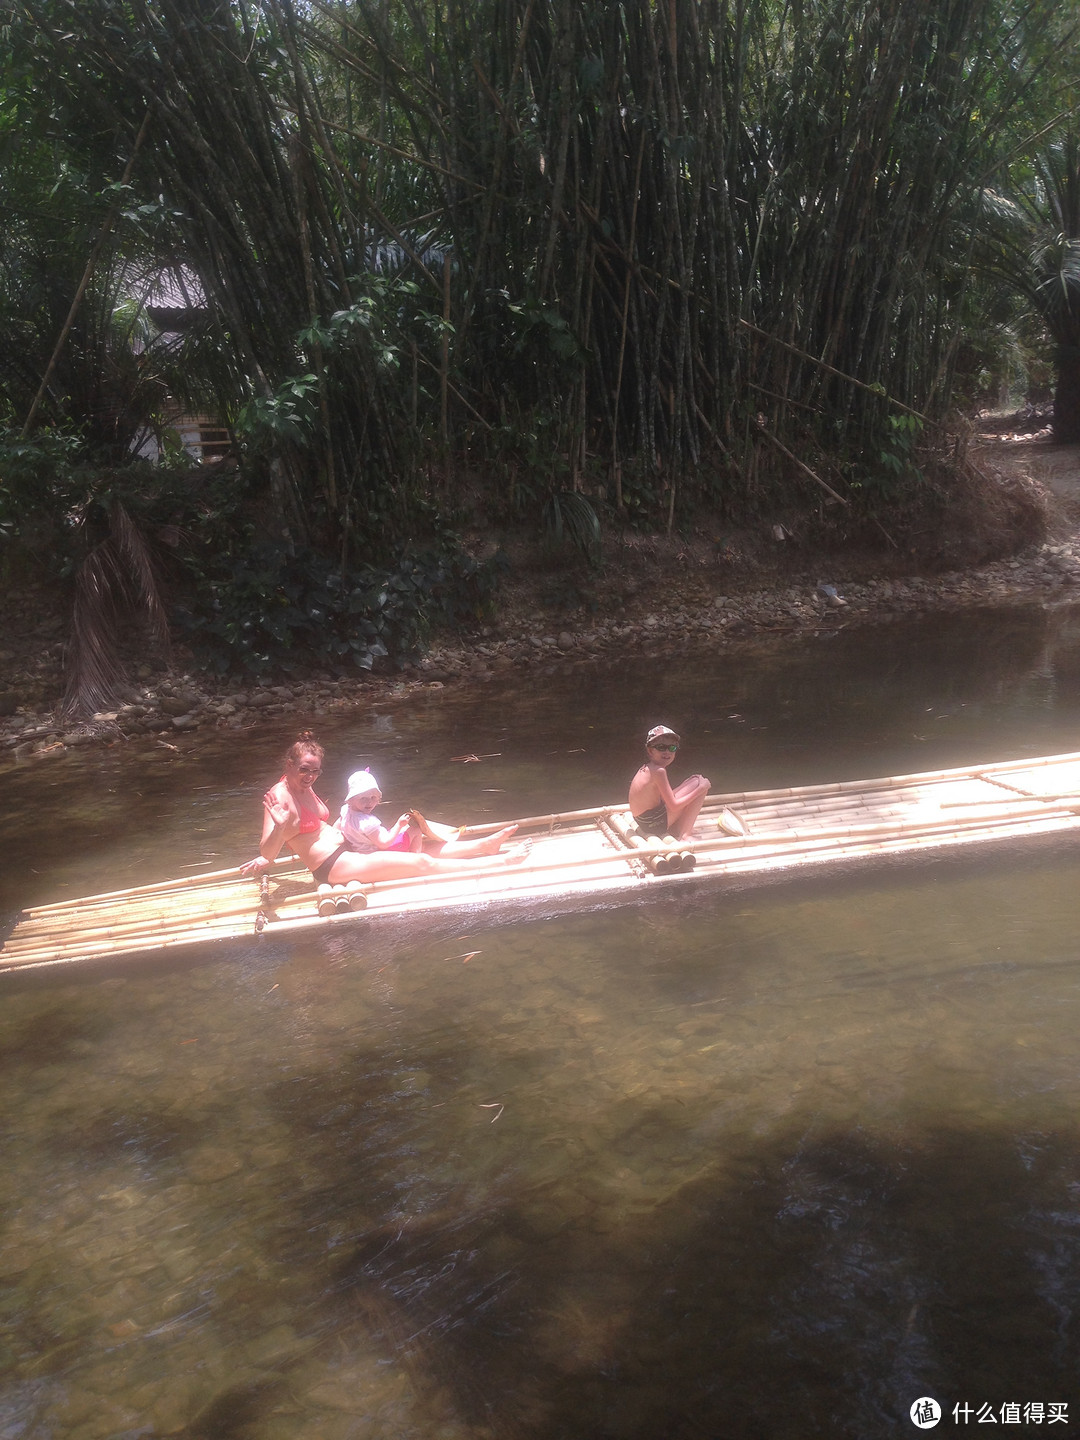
<point>1055,262</point>
<point>116,583</point>
<point>139,571</point>
<point>997,206</point>
<point>94,671</point>
<point>568,515</point>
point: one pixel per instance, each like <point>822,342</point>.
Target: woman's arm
<point>276,827</point>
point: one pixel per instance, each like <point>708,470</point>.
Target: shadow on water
<point>681,1272</point>
<point>766,1302</point>
<point>812,1281</point>
<point>57,1030</point>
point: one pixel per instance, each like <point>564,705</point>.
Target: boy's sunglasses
<point>670,749</point>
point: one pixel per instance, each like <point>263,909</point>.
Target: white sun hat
<point>362,782</point>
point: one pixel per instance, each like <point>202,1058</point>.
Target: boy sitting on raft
<point>656,807</point>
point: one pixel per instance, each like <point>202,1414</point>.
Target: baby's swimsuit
<point>360,829</point>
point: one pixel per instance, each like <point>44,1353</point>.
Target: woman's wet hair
<point>304,744</point>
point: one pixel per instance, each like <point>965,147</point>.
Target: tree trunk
<point>1066,426</point>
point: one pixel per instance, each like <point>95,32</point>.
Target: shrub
<point>280,611</point>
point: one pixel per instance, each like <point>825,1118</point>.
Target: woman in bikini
<point>296,817</point>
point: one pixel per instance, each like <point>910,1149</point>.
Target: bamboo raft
<point>580,856</point>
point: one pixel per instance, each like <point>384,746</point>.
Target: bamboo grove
<point>658,248</point>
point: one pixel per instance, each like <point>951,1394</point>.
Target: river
<point>776,1163</point>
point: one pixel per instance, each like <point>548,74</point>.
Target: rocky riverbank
<point>167,706</point>
<point>656,600</point>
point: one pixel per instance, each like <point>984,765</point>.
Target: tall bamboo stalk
<point>631,196</point>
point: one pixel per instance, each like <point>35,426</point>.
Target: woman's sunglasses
<point>310,769</point>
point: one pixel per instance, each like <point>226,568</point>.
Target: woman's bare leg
<point>470,849</point>
<point>404,865</point>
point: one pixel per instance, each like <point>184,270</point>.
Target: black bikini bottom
<point>322,872</point>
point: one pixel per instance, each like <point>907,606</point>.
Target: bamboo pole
<point>892,782</point>
<point>598,812</point>
<point>782,858</point>
<point>791,840</point>
<point>103,920</point>
<point>142,925</point>
<point>715,802</point>
<point>747,853</point>
<point>57,920</point>
<point>794,837</point>
<point>228,902</point>
<point>151,945</point>
<point>91,265</point>
<point>775,814</point>
<point>618,843</point>
<point>1020,799</point>
<point>127,944</point>
<point>769,814</point>
<point>803,467</point>
<point>635,843</point>
<point>187,882</point>
<point>669,863</point>
<point>444,355</point>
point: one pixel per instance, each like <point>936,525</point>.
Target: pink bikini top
<point>310,822</point>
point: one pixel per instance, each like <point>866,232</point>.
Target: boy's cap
<point>660,732</point>
<point>361,782</point>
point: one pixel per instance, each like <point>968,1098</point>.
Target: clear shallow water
<point>772,1163</point>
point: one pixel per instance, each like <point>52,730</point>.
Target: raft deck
<point>584,855</point>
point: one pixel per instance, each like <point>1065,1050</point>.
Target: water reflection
<point>760,1164</point>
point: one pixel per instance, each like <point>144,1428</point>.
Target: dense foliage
<point>645,254</point>
<point>281,610</point>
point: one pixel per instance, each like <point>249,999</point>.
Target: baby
<point>363,831</point>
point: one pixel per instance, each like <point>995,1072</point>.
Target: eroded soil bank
<point>658,595</point>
